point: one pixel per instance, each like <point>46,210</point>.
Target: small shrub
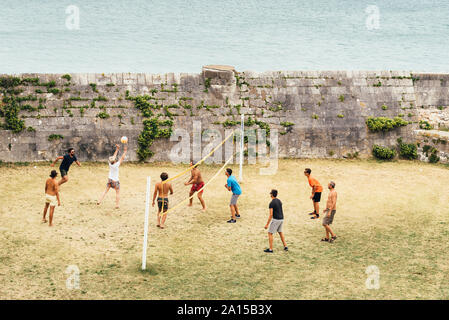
<point>341,98</point>
<point>93,86</point>
<point>54,137</point>
<point>431,153</point>
<point>384,124</point>
<point>434,158</point>
<point>31,129</point>
<point>315,116</point>
<point>67,76</point>
<point>53,90</point>
<point>407,150</point>
<point>103,115</point>
<point>384,107</point>
<point>425,125</point>
<point>340,115</point>
<point>383,153</point>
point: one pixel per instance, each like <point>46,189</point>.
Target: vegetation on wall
<point>153,127</point>
<point>407,150</point>
<point>425,125</point>
<point>384,124</point>
<point>54,137</point>
<point>383,153</point>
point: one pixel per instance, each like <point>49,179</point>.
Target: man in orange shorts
<point>316,193</point>
<point>197,184</point>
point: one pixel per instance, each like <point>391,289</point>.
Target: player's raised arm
<point>123,155</point>
<point>56,160</point>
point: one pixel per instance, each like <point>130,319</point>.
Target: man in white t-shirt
<point>113,178</point>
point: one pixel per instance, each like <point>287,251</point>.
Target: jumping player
<point>51,197</point>
<point>197,184</point>
<point>67,161</point>
<point>276,218</point>
<point>233,185</point>
<point>161,192</point>
<point>316,193</point>
<point>113,178</point>
<point>329,212</point>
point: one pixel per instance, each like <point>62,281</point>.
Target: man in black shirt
<point>67,161</point>
<point>277,220</point>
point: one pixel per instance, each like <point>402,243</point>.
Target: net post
<point>242,136</point>
<point>145,231</point>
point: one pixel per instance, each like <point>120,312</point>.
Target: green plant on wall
<point>103,115</point>
<point>384,124</point>
<point>383,153</point>
<point>54,137</point>
<point>431,153</point>
<point>407,150</point>
<point>153,127</point>
<point>151,131</point>
<point>425,125</point>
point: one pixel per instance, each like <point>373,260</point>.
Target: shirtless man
<point>161,192</point>
<point>329,213</point>
<point>51,196</point>
<point>197,184</point>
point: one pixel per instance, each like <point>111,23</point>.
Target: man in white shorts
<point>277,221</point>
<point>51,197</point>
<point>113,178</point>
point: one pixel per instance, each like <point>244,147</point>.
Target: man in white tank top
<point>113,178</point>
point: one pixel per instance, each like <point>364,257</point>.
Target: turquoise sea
<point>259,35</point>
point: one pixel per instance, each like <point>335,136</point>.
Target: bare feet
<point>50,225</point>
<point>44,221</point>
<point>189,205</point>
<point>117,207</point>
<point>204,209</point>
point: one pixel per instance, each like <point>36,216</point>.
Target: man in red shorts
<point>197,184</point>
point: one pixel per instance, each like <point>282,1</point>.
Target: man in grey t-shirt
<point>277,220</point>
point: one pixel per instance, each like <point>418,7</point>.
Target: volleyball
<point>124,139</point>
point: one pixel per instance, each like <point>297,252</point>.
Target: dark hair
<point>332,184</point>
<point>229,170</point>
<point>70,150</point>
<point>164,176</point>
<point>274,193</point>
<point>307,170</point>
<point>53,173</point>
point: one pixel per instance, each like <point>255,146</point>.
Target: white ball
<point>124,140</point>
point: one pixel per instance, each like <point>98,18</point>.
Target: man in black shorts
<point>277,221</point>
<point>67,161</point>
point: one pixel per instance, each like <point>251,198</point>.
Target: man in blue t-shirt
<point>233,185</point>
<point>67,161</point>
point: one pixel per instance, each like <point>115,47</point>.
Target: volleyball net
<point>181,191</point>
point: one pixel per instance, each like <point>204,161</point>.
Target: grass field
<point>392,215</point>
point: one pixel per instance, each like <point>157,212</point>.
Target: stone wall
<point>327,109</point>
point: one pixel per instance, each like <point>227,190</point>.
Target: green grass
<point>392,215</point>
